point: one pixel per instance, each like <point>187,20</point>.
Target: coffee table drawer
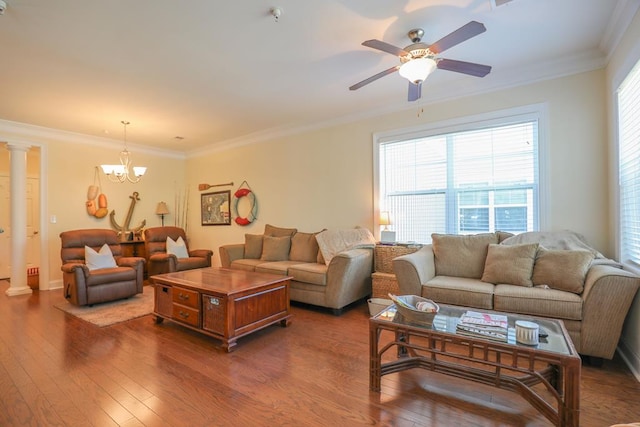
<point>214,314</point>
<point>187,315</point>
<point>185,297</point>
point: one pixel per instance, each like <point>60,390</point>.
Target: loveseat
<point>99,276</point>
<point>554,275</point>
<point>160,260</point>
<point>330,268</point>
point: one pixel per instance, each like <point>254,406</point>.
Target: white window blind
<point>629,167</point>
<point>463,182</point>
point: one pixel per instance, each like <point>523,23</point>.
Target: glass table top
<point>448,317</point>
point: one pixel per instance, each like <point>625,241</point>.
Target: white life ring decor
<point>253,212</point>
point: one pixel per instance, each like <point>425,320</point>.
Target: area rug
<point>110,313</point>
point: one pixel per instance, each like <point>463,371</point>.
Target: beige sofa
<point>555,275</point>
<point>335,282</point>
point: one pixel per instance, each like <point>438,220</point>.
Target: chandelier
<point>121,172</point>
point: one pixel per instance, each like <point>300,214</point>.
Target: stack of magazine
<point>485,325</point>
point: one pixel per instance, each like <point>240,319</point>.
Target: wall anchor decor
<point>253,212</point>
<point>124,229</point>
<point>96,200</point>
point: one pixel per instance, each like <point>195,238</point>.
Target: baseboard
<point>55,284</point>
<point>631,359</point>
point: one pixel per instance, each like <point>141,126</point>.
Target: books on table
<point>485,325</point>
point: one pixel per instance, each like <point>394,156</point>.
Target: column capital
<point>18,146</point>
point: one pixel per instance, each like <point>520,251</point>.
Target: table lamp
<point>162,210</point>
<point>386,236</point>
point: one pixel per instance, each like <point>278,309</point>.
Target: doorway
<point>33,210</point>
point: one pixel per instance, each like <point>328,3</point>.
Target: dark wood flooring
<point>57,370</point>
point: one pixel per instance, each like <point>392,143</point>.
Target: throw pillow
<point>177,248</point>
<point>275,248</point>
<point>562,270</point>
<point>253,246</point>
<point>461,256</point>
<point>510,264</point>
<point>97,260</point>
<point>304,247</point>
<point>270,230</point>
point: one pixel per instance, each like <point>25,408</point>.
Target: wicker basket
<point>384,256</point>
<point>383,284</point>
<point>413,314</point>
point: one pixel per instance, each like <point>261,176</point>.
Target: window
<point>629,167</point>
<point>465,179</point>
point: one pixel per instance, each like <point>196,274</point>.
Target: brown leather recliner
<point>159,261</point>
<point>87,287</point>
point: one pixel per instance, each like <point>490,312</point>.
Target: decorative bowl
<point>407,305</point>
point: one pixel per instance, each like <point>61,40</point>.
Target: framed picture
<point>215,208</point>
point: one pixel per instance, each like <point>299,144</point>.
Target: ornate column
<point>18,180</point>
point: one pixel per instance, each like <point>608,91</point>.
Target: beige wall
<point>69,169</point>
<point>624,58</point>
<point>324,178</point>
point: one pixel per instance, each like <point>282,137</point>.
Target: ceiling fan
<point>418,60</point>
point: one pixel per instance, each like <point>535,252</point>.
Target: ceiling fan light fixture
<point>417,70</point>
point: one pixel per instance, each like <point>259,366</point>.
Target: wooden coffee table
<point>551,369</point>
<point>223,303</point>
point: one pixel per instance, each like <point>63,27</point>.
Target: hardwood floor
<point>57,370</point>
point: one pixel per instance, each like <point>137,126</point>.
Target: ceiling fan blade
<point>470,68</point>
<point>415,91</point>
<point>374,77</point>
<point>385,47</point>
<point>463,33</point>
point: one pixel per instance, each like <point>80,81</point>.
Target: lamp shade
<point>385,218</point>
<point>162,209</point>
<point>417,70</point>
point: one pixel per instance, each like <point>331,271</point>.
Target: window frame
<point>537,112</point>
<point>633,66</point>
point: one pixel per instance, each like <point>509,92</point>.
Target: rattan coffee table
<point>553,365</point>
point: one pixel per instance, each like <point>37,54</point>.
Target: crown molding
<point>620,20</point>
<point>461,88</point>
<point>32,134</point>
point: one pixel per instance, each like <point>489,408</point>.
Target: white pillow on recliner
<point>177,248</point>
<point>97,260</point>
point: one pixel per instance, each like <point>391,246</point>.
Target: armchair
<point>87,287</point>
<point>159,261</point>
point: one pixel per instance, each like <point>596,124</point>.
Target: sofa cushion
<point>461,256</point>
<point>459,291</point>
<point>304,247</point>
<point>253,246</point>
<point>503,235</point>
<point>511,264</point>
<point>245,264</point>
<point>313,273</point>
<point>276,267</point>
<point>275,248</point>
<point>562,270</point>
<point>273,231</point>
<point>109,276</point>
<point>537,302</point>
<point>191,263</point>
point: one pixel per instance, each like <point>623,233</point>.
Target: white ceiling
<point>216,72</point>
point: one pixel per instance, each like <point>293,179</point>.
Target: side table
<point>383,279</point>
<point>135,248</point>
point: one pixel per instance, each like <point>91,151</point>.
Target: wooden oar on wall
<point>203,187</point>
